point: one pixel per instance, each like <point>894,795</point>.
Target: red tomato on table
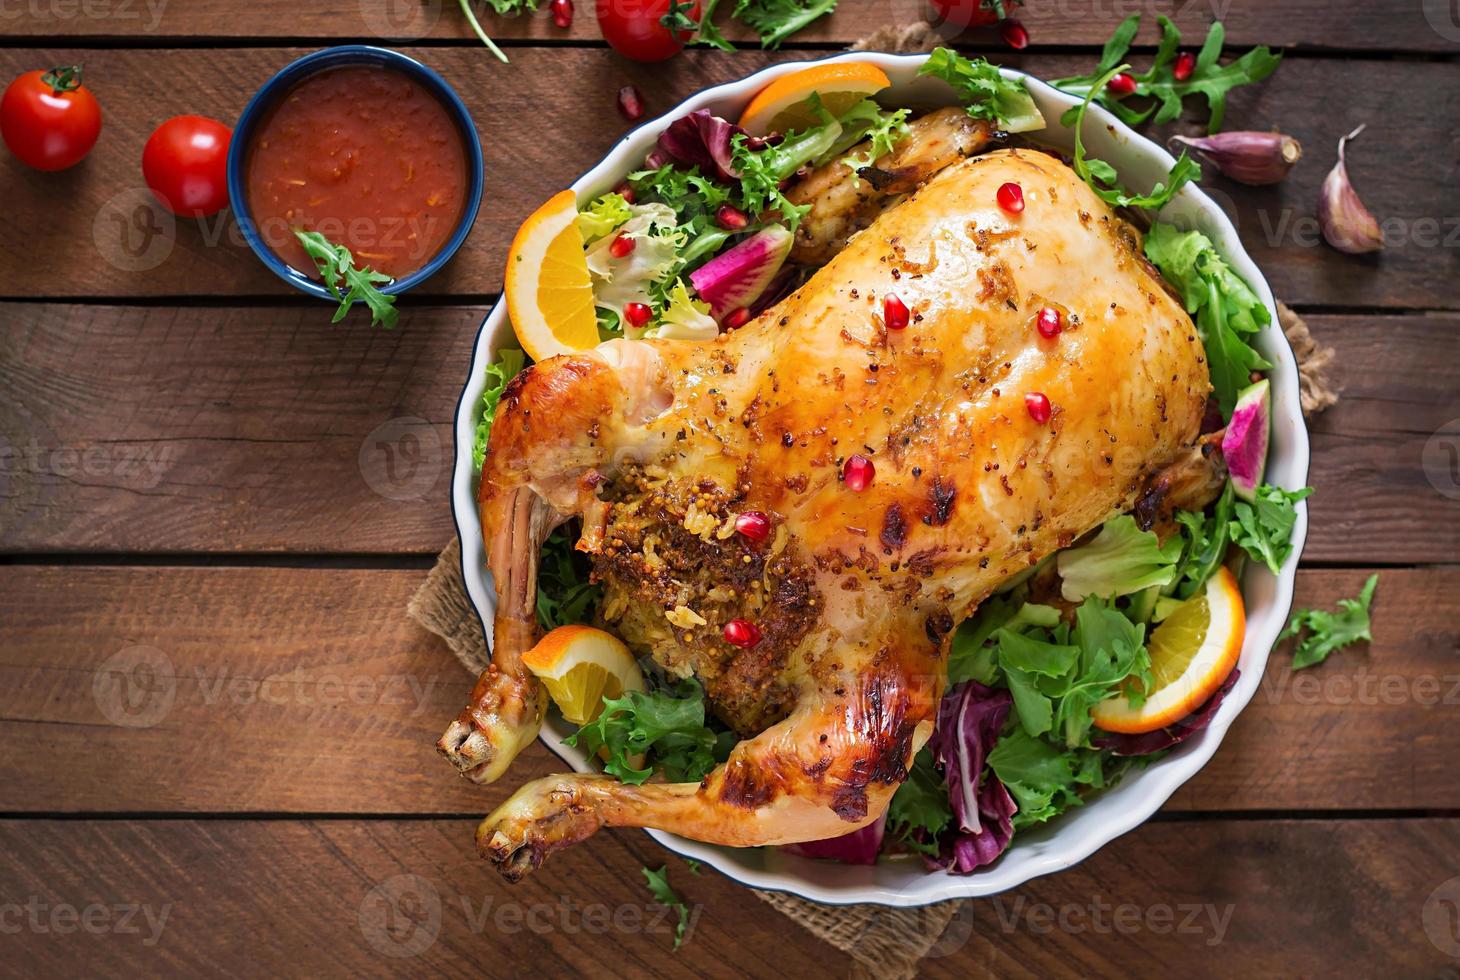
<point>185,163</point>
<point>48,120</point>
<point>973,13</point>
<point>635,30</point>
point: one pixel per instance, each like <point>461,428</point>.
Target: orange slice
<point>580,666</point>
<point>549,293</point>
<point>784,104</point>
<point>1192,652</point>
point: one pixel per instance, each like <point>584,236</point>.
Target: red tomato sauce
<point>367,157</point>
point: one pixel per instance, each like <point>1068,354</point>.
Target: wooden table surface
<point>217,723</point>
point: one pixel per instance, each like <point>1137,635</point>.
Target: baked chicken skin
<point>659,444</point>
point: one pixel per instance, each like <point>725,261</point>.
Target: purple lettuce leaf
<point>1163,738</point>
<point>969,721</point>
<point>701,139</point>
<point>858,847</point>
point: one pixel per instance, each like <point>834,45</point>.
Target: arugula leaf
<point>1104,180</point>
<point>1226,309</point>
<point>1043,779</point>
<point>1030,665</point>
<point>970,658</point>
<point>508,364</point>
<point>919,811</point>
<point>667,727</point>
<point>336,263</point>
<point>1208,79</point>
<point>1204,545</point>
<point>664,894</point>
<point>565,595</point>
<point>776,20</point>
<point>1118,561</point>
<point>1264,527</point>
<point>985,91</point>
<point>706,32</point>
<point>1328,631</point>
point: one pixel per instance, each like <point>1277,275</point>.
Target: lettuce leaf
<point>507,366</point>
<point>1264,527</point>
<point>667,727</point>
<point>602,216</point>
<point>1120,560</point>
<point>985,91</point>
<point>684,318</point>
<point>970,718</point>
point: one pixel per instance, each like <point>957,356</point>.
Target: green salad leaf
<point>1203,545</point>
<point>508,364</point>
<point>667,727</point>
<point>1118,561</point>
<point>1226,309</point>
<point>867,122</point>
<point>1264,527</point>
<point>919,811</point>
<point>1330,631</point>
<point>336,264</point>
<point>971,656</point>
<point>602,216</point>
<point>985,92</point>
<point>1043,779</point>
<point>1104,180</point>
<point>776,20</point>
<point>664,894</point>
<point>565,594</point>
<point>1208,78</point>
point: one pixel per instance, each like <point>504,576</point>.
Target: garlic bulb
<point>1347,224</point>
<point>1247,156</point>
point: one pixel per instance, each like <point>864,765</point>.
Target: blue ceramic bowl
<point>339,57</point>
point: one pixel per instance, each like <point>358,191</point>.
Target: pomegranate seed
<point>736,318</point>
<point>894,312</point>
<point>742,633</point>
<point>1011,197</point>
<point>857,472</point>
<point>1014,35</point>
<point>562,13</point>
<point>731,218</point>
<point>1038,406</point>
<point>753,525</point>
<point>630,103</point>
<point>626,192</point>
<point>1049,322</point>
<point>637,314</point>
<point>1184,66</point>
<point>620,246</point>
<point>1121,85</point>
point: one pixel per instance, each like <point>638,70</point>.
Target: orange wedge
<point>549,294</point>
<point>1192,652</point>
<point>784,104</point>
<point>580,666</point>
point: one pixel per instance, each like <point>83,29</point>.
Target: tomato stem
<point>64,78</point>
<point>472,19</point>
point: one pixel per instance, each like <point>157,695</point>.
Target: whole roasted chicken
<point>906,470</point>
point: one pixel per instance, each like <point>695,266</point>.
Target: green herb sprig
<point>1326,631</point>
<point>337,265</point>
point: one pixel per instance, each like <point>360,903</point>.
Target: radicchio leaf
<point>1163,738</point>
<point>969,721</point>
<point>701,139</point>
<point>858,847</point>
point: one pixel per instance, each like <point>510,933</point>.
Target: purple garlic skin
<point>1347,225</point>
<point>1247,156</point>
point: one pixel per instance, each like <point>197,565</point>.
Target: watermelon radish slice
<point>1245,443</point>
<point>736,278</point>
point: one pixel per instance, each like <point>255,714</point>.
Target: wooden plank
<point>364,898</point>
<point>1351,24</point>
<point>99,213</point>
<point>131,429</point>
<point>308,691</point>
<point>1209,899</point>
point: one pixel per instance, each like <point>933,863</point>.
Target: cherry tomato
<point>185,162</point>
<point>48,120</point>
<point>635,30</point>
<point>973,13</point>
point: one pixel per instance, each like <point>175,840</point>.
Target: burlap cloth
<point>882,942</point>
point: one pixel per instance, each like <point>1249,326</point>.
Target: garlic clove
<point>1347,224</point>
<point>1247,156</point>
